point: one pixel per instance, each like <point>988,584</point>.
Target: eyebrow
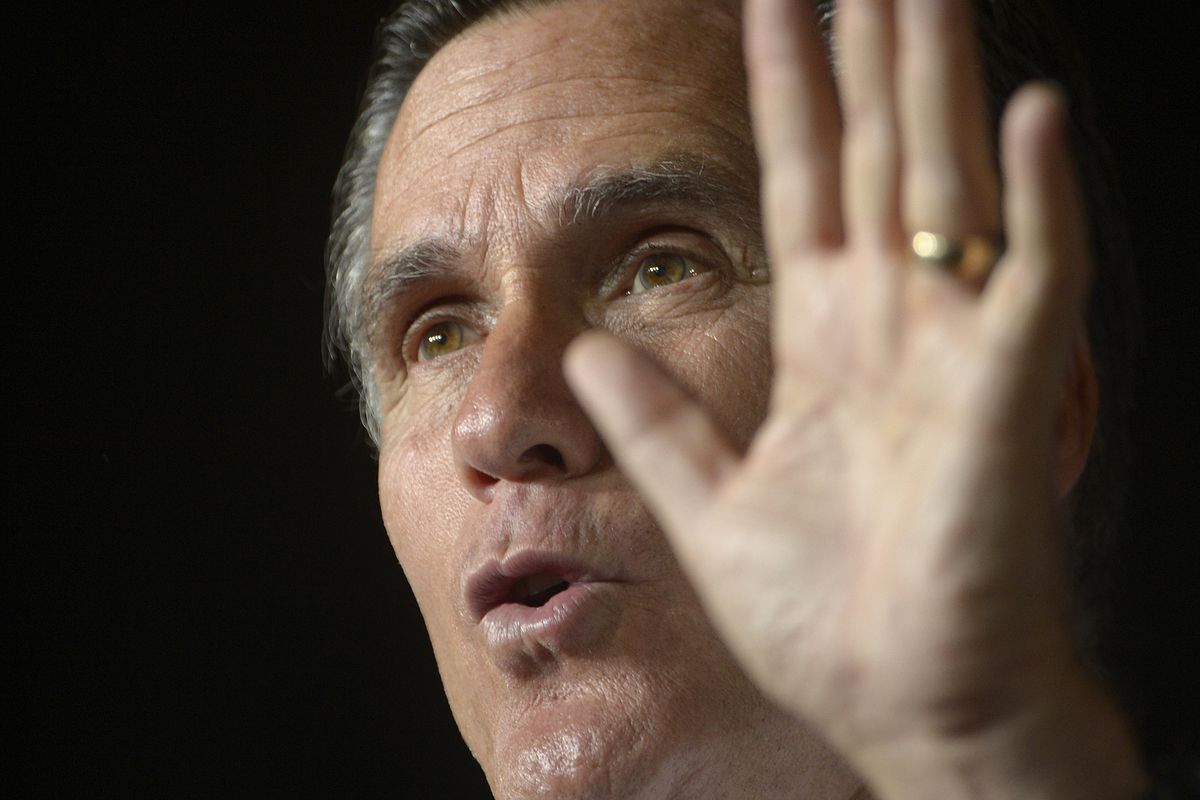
<point>678,180</point>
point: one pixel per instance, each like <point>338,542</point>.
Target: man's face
<point>582,164</point>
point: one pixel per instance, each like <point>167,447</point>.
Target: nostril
<point>545,454</point>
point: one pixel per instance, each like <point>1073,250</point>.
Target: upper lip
<point>497,581</point>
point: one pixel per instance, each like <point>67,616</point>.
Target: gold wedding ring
<point>970,258</point>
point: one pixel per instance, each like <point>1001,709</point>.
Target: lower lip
<point>573,618</point>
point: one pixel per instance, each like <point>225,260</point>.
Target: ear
<point>1077,413</point>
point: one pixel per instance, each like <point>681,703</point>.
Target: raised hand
<point>884,558</point>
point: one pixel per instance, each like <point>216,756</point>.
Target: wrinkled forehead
<point>529,100</point>
<point>581,40</point>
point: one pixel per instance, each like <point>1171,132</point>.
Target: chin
<point>591,758</point>
<point>624,733</point>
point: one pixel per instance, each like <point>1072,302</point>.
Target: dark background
<point>202,599</point>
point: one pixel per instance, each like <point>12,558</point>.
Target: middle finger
<point>865,46</point>
<point>950,180</point>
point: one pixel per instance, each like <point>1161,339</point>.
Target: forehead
<point>521,106</point>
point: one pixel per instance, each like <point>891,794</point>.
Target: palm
<point>883,553</point>
<point>872,521</point>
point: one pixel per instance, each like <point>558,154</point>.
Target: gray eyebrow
<point>678,179</point>
<point>683,179</point>
<point>399,270</point>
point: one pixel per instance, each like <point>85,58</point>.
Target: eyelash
<point>424,324</point>
<point>626,271</point>
<point>634,261</point>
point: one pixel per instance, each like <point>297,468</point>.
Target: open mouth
<point>526,580</point>
<point>536,590</point>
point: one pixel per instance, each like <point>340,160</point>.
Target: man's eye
<point>661,269</point>
<point>442,339</point>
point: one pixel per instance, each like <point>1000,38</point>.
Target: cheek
<point>729,367</point>
<point>422,508</point>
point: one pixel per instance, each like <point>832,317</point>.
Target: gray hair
<point>1021,40</point>
<point>404,42</point>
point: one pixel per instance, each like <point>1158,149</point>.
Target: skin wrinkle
<point>664,705</point>
<point>679,177</point>
<point>527,11</point>
<point>602,193</point>
<point>484,30</point>
<point>683,176</point>
<point>503,129</point>
<point>593,81</point>
<point>672,307</point>
<point>400,273</point>
<point>497,97</point>
<point>750,208</point>
<point>515,242</point>
<point>519,184</point>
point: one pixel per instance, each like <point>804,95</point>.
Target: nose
<point>518,421</point>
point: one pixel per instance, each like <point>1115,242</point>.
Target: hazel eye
<point>661,269</point>
<point>441,339</point>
